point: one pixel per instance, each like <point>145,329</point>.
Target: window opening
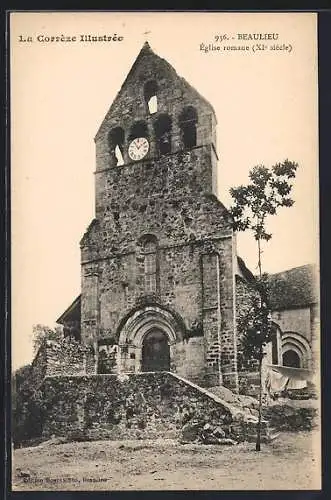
<point>150,94</point>
<point>150,266</point>
<point>116,142</point>
<point>138,129</point>
<point>162,129</point>
<point>187,122</point>
<point>291,358</point>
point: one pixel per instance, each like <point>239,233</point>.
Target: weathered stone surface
<point>168,198</point>
<point>146,405</point>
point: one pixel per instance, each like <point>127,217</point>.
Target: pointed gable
<point>130,101</point>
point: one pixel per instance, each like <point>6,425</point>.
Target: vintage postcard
<point>164,208</point>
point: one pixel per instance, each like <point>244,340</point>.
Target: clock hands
<point>138,148</point>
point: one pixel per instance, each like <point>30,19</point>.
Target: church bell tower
<point>160,249</point>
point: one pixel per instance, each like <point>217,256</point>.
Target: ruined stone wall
<point>59,358</point>
<point>39,367</point>
<point>142,406</point>
<point>65,358</point>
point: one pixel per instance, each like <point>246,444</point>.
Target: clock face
<point>138,148</point>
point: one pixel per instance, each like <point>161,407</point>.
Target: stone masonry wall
<point>170,198</point>
<point>178,174</point>
<point>173,220</point>
<point>39,367</point>
<point>294,320</point>
<point>173,94</point>
<point>142,406</point>
<point>188,360</point>
<point>58,358</point>
<point>181,287</point>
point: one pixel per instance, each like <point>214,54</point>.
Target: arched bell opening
<point>188,124</point>
<point>116,146</point>
<point>150,94</point>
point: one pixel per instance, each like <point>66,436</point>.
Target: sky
<point>266,107</point>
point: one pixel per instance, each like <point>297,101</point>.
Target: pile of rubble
<point>205,433</point>
<point>240,427</point>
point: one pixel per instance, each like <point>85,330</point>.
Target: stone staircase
<point>244,418</point>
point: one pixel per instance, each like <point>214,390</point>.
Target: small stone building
<point>161,281</point>
<point>295,311</point>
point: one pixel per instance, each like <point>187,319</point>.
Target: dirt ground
<point>289,462</point>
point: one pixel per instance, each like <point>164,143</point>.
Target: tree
<point>42,333</point>
<point>268,191</point>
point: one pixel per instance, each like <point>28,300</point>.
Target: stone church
<point>161,283</point>
<point>162,287</point>
<point>158,261</point>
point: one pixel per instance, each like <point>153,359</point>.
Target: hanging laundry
<point>296,384</point>
<point>275,381</point>
<point>293,373</point>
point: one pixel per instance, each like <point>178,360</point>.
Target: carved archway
<point>141,321</point>
<point>136,334</point>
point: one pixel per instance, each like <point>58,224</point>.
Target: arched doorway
<point>291,358</point>
<point>155,352</point>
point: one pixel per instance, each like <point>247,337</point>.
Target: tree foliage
<point>26,413</point>
<point>268,190</point>
<point>43,333</point>
<point>255,326</point>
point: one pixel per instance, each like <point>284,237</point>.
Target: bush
<point>26,409</point>
<point>285,417</point>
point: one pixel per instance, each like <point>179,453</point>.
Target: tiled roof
<point>297,287</point>
<point>72,313</point>
<point>244,270</point>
